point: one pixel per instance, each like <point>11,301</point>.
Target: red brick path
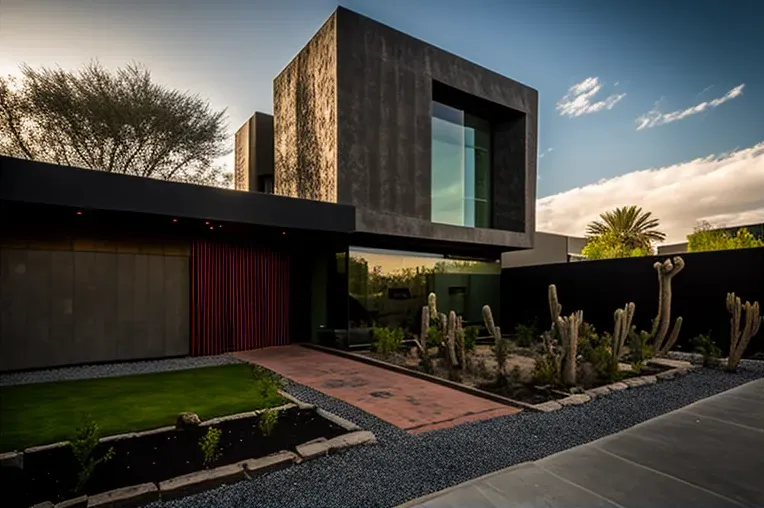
<point>409,403</point>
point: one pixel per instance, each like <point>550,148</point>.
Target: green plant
<point>739,338</point>
<point>387,340</point>
<point>546,370</point>
<point>526,335</point>
<point>705,237</point>
<point>640,349</point>
<point>268,420</point>
<point>704,345</point>
<point>83,447</point>
<point>596,350</point>
<point>210,445</point>
<point>470,337</point>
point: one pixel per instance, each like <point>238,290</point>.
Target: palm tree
<point>635,228</point>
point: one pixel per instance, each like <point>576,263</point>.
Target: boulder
<point>186,420</point>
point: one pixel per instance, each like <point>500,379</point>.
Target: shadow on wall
<point>600,287</point>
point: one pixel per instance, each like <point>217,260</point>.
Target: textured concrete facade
<point>305,121</point>
<point>375,132</point>
<point>253,153</point>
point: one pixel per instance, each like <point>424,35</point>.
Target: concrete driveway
<point>709,454</point>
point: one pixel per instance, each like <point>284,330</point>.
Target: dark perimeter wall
<point>352,124</point>
<point>600,287</point>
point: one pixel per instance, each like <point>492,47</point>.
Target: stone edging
<point>426,377</point>
<point>198,481</point>
<point>600,391</point>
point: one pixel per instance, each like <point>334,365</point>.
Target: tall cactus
<point>666,272</point>
<point>623,318</point>
<point>460,343</point>
<point>421,343</point>
<point>450,334</point>
<point>568,328</point>
<point>494,330</point>
<point>739,339</point>
<point>555,308</point>
<point>500,344</point>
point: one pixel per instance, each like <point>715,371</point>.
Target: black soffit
<point>34,182</point>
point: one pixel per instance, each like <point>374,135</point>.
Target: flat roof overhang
<point>33,182</point>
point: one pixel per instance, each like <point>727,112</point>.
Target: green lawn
<point>49,412</point>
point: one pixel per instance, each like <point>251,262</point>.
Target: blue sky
<point>681,53</point>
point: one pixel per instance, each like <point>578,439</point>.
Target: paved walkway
<point>404,401</point>
<point>709,454</point>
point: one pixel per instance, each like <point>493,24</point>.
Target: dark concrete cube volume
<point>353,124</point>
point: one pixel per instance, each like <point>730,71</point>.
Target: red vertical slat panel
<point>239,297</point>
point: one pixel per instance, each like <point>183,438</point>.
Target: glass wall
<point>461,168</point>
<point>389,288</point>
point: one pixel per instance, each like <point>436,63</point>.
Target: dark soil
<point>520,392</point>
<point>52,475</point>
<point>647,370</point>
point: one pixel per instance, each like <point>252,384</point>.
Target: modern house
<point>548,248</point>
<point>396,169</point>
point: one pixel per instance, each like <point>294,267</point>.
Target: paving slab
<point>407,402</point>
<point>706,454</point>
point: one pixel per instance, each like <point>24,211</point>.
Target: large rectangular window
<point>461,168</point>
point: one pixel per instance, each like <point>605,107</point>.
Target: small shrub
<point>434,337</point>
<point>704,345</point>
<point>470,337</point>
<point>210,445</point>
<point>268,421</point>
<point>268,380</point>
<point>545,371</point>
<point>83,447</point>
<point>596,350</point>
<point>526,335</point>
<point>640,348</point>
<point>387,340</point>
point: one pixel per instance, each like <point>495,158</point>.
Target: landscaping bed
<point>138,465</point>
<point>50,474</point>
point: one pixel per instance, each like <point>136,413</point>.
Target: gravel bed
<point>402,467</point>
<point>115,369</point>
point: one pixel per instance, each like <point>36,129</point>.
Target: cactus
<point>666,272</point>
<point>494,330</point>
<point>555,308</point>
<point>421,342</point>
<point>739,339</point>
<point>450,334</point>
<point>623,318</point>
<point>432,305</point>
<point>500,344</point>
<point>568,328</point>
<point>460,343</point>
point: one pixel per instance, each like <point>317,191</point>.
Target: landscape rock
<point>152,432</point>
<point>47,447</point>
<point>199,481</point>
<point>663,376</point>
<point>669,362</point>
<point>117,437</point>
<point>186,420</point>
<point>312,449</point>
<point>362,437</point>
<point>12,459</point>
<point>338,420</point>
<point>44,504</point>
<point>634,382</point>
<point>575,399</point>
<point>649,380</point>
<point>548,407</point>
<point>135,495</point>
<point>300,404</point>
<point>617,387</point>
<point>77,502</point>
<point>221,419</point>
<point>280,460</point>
<point>598,391</point>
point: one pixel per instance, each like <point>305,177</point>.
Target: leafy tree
<point>707,238</point>
<point>609,245</point>
<point>117,121</point>
<point>633,228</point>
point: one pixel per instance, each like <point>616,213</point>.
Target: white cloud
<point>578,100</point>
<point>726,190</point>
<point>654,117</point>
